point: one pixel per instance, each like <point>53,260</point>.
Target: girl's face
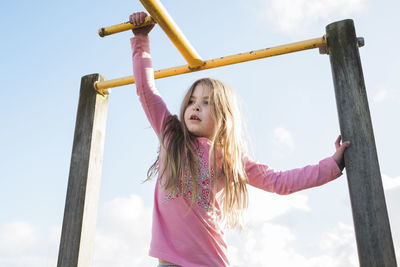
<point>198,117</point>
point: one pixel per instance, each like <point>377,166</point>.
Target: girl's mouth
<point>194,118</point>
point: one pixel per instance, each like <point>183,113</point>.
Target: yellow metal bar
<point>124,27</point>
<point>222,61</point>
<point>160,14</point>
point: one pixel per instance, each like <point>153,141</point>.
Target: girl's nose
<point>196,107</point>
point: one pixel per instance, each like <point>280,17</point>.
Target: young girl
<point>202,167</point>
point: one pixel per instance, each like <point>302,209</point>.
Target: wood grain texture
<point>80,214</point>
<point>371,223</point>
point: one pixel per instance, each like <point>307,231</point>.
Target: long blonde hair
<point>180,146</point>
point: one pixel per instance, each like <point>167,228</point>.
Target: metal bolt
<point>360,41</point>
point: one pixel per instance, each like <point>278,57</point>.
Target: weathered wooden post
<point>371,223</point>
<point>80,214</point>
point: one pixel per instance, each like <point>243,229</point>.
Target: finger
<point>131,18</point>
<point>142,16</point>
<point>134,19</point>
<point>337,142</point>
<point>137,19</point>
<point>344,145</point>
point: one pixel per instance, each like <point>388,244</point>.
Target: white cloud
<point>122,238</point>
<point>283,142</point>
<point>265,243</point>
<point>22,245</point>
<point>390,183</point>
<point>380,96</point>
<point>270,245</point>
<point>293,16</point>
<point>123,233</point>
<point>265,206</point>
<point>283,136</point>
<point>273,245</point>
<point>340,246</point>
<point>392,195</point>
<point>17,237</point>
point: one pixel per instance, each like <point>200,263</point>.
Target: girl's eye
<point>205,102</point>
<point>190,102</point>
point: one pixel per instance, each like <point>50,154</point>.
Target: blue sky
<point>288,103</point>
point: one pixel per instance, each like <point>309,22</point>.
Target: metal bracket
<point>324,49</point>
<point>101,91</point>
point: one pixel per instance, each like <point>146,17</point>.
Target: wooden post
<point>371,223</point>
<point>80,214</point>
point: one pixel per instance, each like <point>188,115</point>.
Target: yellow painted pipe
<point>222,61</point>
<point>124,27</point>
<point>160,14</point>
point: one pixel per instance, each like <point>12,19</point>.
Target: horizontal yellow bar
<point>160,14</point>
<point>124,27</point>
<point>222,61</point>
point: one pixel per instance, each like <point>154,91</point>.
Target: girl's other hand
<point>338,156</point>
<point>138,19</point>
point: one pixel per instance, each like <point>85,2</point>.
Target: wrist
<point>142,37</point>
<point>339,161</point>
<point>140,34</point>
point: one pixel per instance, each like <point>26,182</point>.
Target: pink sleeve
<point>153,105</point>
<point>287,182</point>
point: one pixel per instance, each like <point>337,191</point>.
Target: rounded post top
<point>340,23</point>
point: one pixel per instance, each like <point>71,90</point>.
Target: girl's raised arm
<point>153,105</point>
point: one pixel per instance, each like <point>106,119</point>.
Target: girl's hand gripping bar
<point>124,27</point>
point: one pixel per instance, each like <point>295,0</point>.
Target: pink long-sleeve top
<point>193,236</point>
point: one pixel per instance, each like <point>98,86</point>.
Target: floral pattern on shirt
<point>205,182</point>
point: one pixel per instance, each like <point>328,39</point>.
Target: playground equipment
<point>371,223</point>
